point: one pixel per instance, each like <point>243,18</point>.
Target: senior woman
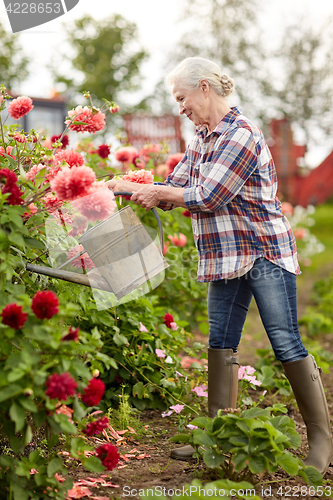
<point>246,248</point>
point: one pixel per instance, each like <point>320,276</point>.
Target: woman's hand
<point>147,196</point>
<point>115,185</point>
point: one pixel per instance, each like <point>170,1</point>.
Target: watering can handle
<point>157,217</point>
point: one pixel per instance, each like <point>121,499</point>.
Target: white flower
<point>169,360</point>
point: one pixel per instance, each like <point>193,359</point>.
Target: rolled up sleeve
<point>222,178</point>
<point>178,178</point>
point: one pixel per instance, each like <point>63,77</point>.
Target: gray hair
<point>192,70</point>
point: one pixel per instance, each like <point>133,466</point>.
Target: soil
<point>157,471</point>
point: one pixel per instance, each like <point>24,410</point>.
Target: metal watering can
<point>124,254</point>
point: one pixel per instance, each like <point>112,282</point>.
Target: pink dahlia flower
<point>99,205</point>
<point>7,151</point>
<point>80,224</point>
<point>20,137</point>
<point>178,241</point>
<point>31,174</point>
<point>114,109</point>
<point>127,154</point>
<point>173,160</point>
<point>72,183</point>
<point>51,202</point>
<point>94,121</point>
<point>139,176</point>
<point>71,157</point>
<point>82,262</point>
<point>20,107</point>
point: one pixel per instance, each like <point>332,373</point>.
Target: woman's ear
<point>204,86</point>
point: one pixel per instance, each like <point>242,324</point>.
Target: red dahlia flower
<point>108,454</point>
<point>94,392</point>
<point>97,426</point>
<point>103,150</point>
<point>13,316</point>
<point>60,386</point>
<point>73,334</point>
<point>168,319</point>
<point>20,107</point>
<point>10,186</point>
<point>45,304</point>
<point>64,141</point>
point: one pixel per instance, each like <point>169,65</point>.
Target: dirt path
<point>162,474</point>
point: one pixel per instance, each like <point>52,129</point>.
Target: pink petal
<point>159,353</point>
<point>142,328</point>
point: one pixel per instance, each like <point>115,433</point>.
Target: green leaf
<point>28,404</point>
<point>258,464</point>
<point>54,466</point>
<point>17,414</point>
<point>93,464</point>
<point>180,438</point>
<point>28,435</point>
<point>119,339</point>
<point>79,410</point>
<point>203,439</point>
<point>138,390</point>
<point>311,476</point>
<point>32,242</point>
<point>212,458</point>
<point>289,463</point>
<point>200,422</point>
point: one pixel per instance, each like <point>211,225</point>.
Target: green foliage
<point>271,374</point>
<point>151,382</point>
<point>13,64</point>
<point>238,446</point>
<point>222,488</point>
<point>319,319</point>
<point>107,55</point>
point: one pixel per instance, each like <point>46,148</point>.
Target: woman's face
<point>192,103</point>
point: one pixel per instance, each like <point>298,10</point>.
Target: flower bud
<point>96,373</point>
<point>28,391</point>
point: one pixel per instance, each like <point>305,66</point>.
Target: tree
<point>303,86</point>
<point>107,57</point>
<point>13,63</point>
<point>228,32</point>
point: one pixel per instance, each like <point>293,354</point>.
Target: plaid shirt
<point>230,189</point>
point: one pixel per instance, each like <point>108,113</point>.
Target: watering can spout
<point>93,280</point>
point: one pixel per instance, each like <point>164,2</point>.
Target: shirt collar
<point>222,125</point>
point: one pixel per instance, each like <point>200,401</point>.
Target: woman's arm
<point>149,195</point>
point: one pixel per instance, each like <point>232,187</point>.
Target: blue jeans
<point>274,290</point>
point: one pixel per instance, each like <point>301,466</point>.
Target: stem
<point>2,133</point>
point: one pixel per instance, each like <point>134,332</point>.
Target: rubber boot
<point>304,378</point>
<point>223,367</point>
